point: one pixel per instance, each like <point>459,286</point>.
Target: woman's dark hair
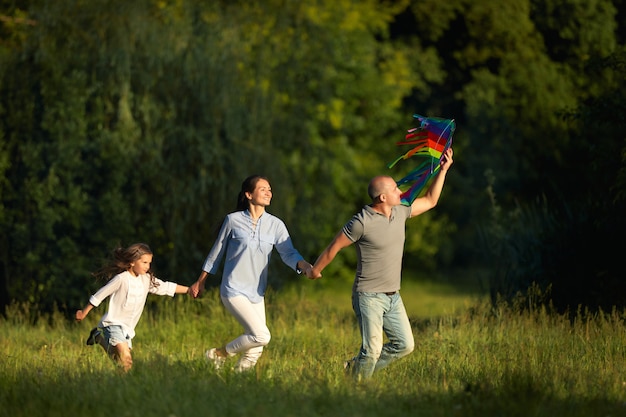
<point>121,260</point>
<point>247,186</point>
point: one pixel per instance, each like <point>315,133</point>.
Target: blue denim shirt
<point>248,251</point>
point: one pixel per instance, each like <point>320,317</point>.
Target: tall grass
<point>469,361</point>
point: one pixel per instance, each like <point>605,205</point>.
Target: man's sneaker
<point>94,336</point>
<point>211,355</point>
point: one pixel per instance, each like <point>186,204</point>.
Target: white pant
<point>252,317</point>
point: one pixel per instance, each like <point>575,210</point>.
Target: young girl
<point>130,281</point>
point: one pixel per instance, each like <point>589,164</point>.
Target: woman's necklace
<point>253,224</point>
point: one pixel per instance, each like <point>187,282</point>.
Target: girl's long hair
<point>247,186</point>
<point>121,259</point>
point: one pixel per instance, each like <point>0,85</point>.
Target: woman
<point>247,238</point>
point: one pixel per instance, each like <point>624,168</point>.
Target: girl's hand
<point>80,315</point>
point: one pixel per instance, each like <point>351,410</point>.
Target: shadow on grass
<point>164,386</point>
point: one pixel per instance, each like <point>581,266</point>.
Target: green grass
<point>467,362</point>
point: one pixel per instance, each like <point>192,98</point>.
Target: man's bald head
<point>380,185</point>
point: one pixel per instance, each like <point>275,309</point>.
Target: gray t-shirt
<point>380,245</point>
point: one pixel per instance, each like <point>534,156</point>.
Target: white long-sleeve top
<point>128,298</point>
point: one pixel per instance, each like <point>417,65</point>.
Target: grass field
<point>469,361</point>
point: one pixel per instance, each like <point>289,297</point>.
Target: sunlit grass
<point>469,361</point>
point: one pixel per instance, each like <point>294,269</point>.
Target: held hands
<point>196,289</point>
<point>307,269</point>
<point>311,273</point>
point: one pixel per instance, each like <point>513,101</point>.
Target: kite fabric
<point>431,139</point>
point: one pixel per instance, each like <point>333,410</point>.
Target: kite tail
<point>422,179</point>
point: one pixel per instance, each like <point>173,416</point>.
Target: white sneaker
<point>244,365</point>
<point>212,356</point>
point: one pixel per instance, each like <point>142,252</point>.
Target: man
<point>378,232</point>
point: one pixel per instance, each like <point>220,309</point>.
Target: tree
<point>138,121</point>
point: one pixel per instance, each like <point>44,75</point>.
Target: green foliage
<point>518,69</point>
<point>137,121</point>
<point>568,246</point>
<point>513,246</point>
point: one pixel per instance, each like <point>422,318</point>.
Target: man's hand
<point>446,161</point>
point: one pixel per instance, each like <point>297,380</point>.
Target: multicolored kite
<point>432,138</point>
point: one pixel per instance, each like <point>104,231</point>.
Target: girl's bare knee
<point>127,363</point>
<point>123,356</point>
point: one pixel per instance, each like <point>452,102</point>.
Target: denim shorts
<point>115,334</point>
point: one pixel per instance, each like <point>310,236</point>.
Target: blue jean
<point>114,334</point>
<point>378,313</point>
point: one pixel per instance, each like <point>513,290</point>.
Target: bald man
<point>378,232</point>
